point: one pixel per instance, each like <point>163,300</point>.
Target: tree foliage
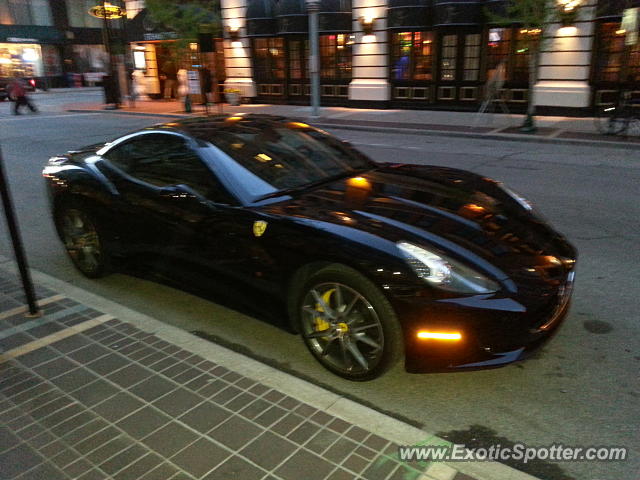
<point>187,18</point>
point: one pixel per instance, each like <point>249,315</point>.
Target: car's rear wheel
<point>348,324</point>
<point>83,240</point>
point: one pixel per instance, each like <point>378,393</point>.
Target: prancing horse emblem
<point>259,227</point>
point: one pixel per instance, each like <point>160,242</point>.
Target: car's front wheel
<point>348,324</point>
<point>82,239</point>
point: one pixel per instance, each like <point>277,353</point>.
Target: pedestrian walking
<point>18,93</point>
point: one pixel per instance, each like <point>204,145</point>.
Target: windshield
<point>286,156</point>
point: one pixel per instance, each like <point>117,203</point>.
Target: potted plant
<point>233,96</point>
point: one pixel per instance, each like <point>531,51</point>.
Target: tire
<point>347,324</point>
<point>83,239</point>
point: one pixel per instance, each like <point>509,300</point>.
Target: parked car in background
<point>5,82</point>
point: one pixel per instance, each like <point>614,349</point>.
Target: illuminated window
<point>25,12</point>
<point>335,56</point>
<point>449,54</point>
<point>268,59</point>
<point>412,56</point>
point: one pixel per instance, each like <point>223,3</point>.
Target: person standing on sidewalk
<point>18,93</point>
<point>170,73</point>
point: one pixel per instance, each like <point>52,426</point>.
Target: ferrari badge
<point>259,227</point>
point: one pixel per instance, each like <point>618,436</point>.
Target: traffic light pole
<point>16,240</point>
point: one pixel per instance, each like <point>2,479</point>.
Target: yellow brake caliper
<point>320,323</point>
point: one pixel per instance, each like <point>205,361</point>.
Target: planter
<point>233,98</point>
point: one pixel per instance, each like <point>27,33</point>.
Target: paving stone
<point>129,375</point>
<point>340,450</point>
<point>355,463</point>
<point>340,474</point>
<point>258,389</point>
<point>21,387</point>
<point>366,452</point>
<point>45,329</point>
<point>45,471</point>
<point>170,439</point>
<point>303,432</point>
<point>77,468</point>
<point>55,367</point>
<point>97,440</point>
<point>200,457</point>
<point>178,402</point>
<point>304,410</point>
<point>93,475</point>
<point>357,433</point>
<point>268,450</point>
<point>109,449</point>
<point>108,364</point>
<point>79,420</point>
<point>321,417</point>
<point>14,341</point>
<point>29,432</point>
<point>198,382</point>
<point>226,395</point>
<point>118,407</point>
<point>274,396</point>
<point>379,469</point>
<point>236,467</point>
<point>271,416</point>
<point>289,403</point>
<point>64,457</point>
<point>74,379</point>
<point>7,439</point>
<point>50,407</point>
<point>321,441</point>
<point>235,432</point>
<point>143,422</point>
<point>62,415</point>
<point>17,460</point>
<point>239,402</point>
<point>376,443</point>
<point>36,357</point>
<point>152,388</point>
<point>93,393</point>
<point>204,417</point>
<point>122,459</point>
<point>187,375</point>
<point>151,359</point>
<point>287,424</point>
<point>163,365</point>
<point>34,392</point>
<point>213,388</point>
<point>41,440</point>
<point>254,409</point>
<point>79,434</point>
<point>304,465</point>
<point>161,472</point>
<point>141,467</point>
<point>89,353</point>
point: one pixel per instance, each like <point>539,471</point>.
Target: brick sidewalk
<point>87,396</point>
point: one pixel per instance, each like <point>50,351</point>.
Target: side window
<point>163,160</point>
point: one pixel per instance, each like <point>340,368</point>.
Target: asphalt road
<point>583,389</point>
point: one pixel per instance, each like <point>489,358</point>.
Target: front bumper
<point>495,331</point>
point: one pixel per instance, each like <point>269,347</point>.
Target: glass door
<point>458,76</point>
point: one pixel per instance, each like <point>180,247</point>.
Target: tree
<point>187,18</point>
<point>533,16</point>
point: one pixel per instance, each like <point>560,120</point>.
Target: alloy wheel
<point>81,240</point>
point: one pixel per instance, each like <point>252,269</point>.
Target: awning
<point>261,21</point>
<point>292,16</point>
<point>613,9</point>
<point>458,12</point>
<point>410,14</point>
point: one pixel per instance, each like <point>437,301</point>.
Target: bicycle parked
<point>621,116</point>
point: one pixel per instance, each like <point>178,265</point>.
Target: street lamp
<point>313,7</point>
<point>106,11</point>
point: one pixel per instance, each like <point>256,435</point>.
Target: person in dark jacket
<point>18,93</point>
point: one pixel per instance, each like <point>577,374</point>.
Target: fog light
<point>454,336</point>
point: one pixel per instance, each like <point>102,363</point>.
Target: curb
<point>513,137</point>
<point>332,403</point>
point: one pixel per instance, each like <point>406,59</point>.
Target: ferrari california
<point>374,263</point>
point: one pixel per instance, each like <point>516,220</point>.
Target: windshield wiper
<point>308,186</point>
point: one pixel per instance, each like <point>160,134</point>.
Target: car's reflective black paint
<point>355,221</point>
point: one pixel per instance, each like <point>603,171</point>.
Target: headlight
<point>445,273</point>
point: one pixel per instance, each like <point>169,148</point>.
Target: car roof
<point>203,128</point>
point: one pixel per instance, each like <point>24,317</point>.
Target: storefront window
<point>449,57</point>
<point>268,56</point>
<point>20,60</point>
<point>412,56</point>
<point>90,58</point>
<point>78,12</point>
<point>511,47</point>
<point>499,48</point>
<point>298,57</point>
<point>472,45</point>
<point>25,12</point>
<point>525,42</point>
<point>335,56</point>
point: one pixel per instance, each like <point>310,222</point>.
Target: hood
<point>464,215</point>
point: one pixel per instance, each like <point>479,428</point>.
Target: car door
<point>173,209</point>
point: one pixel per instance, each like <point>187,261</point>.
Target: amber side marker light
<point>453,336</point>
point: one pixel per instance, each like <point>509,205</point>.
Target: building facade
<point>49,39</point>
<point>437,54</point>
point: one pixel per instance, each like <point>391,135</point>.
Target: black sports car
<point>374,262</point>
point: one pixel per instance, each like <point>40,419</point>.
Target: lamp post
<point>313,7</point>
<point>106,11</point>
